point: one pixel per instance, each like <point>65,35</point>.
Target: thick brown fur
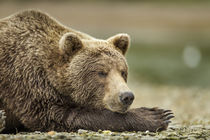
<point>49,79</point>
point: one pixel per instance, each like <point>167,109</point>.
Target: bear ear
<point>70,44</point>
<point>121,42</point>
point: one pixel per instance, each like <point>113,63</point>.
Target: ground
<point>174,133</point>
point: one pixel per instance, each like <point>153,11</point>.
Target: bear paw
<point>160,118</point>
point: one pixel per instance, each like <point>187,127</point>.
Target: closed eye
<point>124,75</point>
<point>102,74</point>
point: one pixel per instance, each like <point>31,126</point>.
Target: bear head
<point>94,72</point>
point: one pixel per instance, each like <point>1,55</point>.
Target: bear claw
<point>167,121</point>
<point>170,117</point>
<point>167,111</point>
<point>2,120</point>
<point>167,114</point>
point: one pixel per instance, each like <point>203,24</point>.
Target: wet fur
<point>35,89</point>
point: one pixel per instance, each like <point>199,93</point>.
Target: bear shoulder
<point>31,16</point>
<point>34,20</point>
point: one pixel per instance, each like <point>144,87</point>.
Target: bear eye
<point>102,74</point>
<point>124,75</point>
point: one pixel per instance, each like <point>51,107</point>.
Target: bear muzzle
<point>126,98</point>
<point>122,103</point>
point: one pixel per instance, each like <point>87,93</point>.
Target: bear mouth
<point>119,109</point>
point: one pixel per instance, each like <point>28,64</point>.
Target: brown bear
<point>55,78</point>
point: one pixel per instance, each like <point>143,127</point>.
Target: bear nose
<point>127,98</point>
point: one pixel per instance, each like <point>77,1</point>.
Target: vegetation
<point>196,132</point>
<point>165,64</point>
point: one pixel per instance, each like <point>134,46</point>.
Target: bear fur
<point>55,78</point>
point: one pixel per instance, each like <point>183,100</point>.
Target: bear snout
<point>126,98</point>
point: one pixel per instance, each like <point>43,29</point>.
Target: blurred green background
<point>169,58</point>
